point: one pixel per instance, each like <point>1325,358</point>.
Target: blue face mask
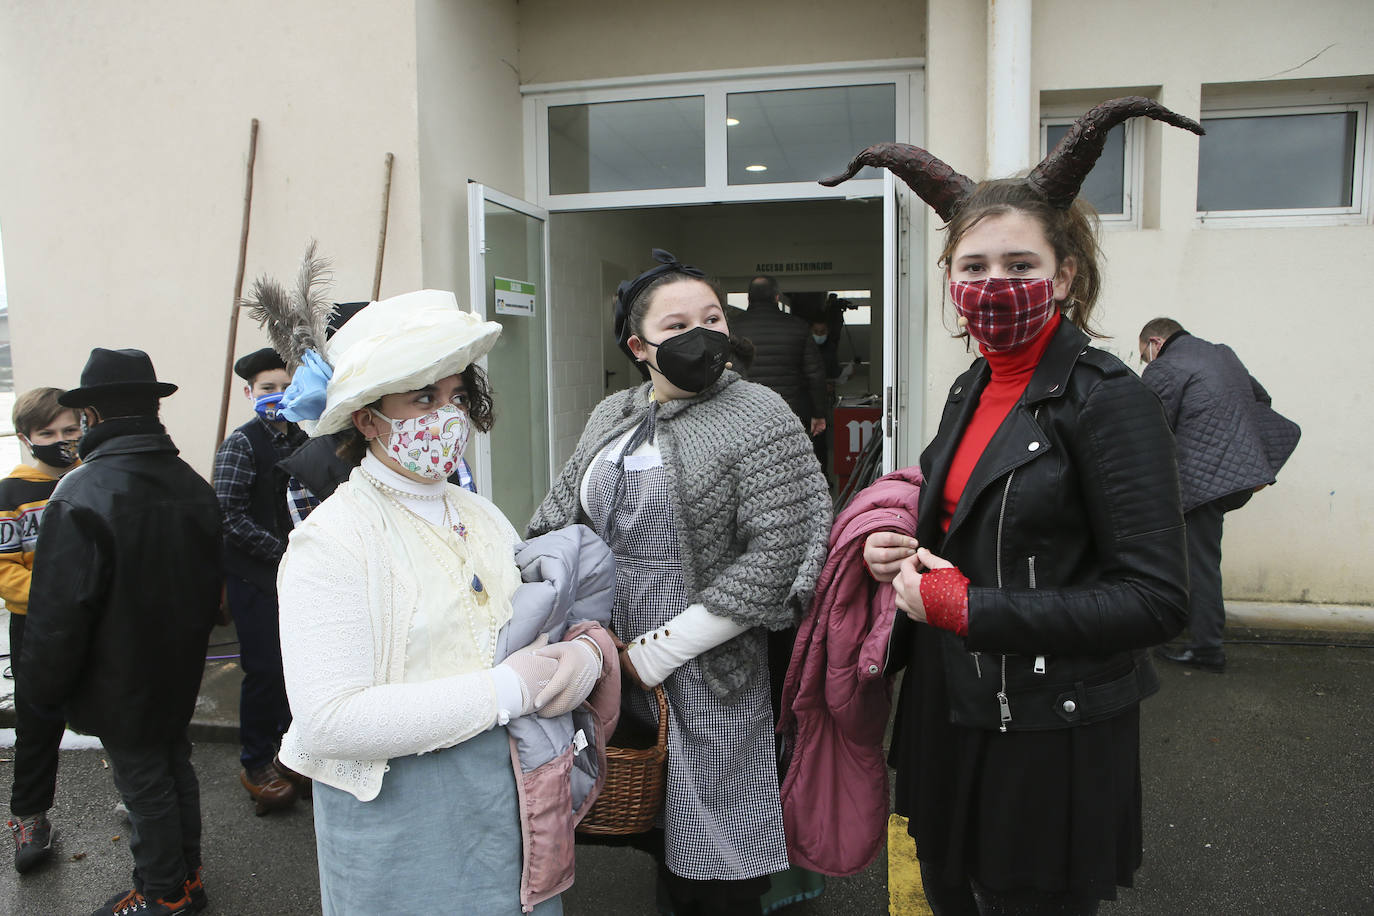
<point>820,338</point>
<point>268,406</point>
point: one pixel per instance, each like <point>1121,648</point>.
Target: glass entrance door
<point>509,267</point>
<point>895,319</point>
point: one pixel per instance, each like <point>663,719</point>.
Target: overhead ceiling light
<point>756,168</point>
<point>731,122</point>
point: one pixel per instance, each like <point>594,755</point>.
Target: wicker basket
<point>636,779</point>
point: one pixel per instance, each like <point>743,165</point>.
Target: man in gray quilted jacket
<point>1231,443</point>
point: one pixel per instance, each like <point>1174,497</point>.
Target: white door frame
<point>903,387</point>
<point>478,195</point>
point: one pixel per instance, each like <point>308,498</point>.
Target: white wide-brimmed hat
<point>399,344</point>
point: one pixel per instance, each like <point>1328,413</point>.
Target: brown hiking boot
<point>304,784</point>
<point>271,790</point>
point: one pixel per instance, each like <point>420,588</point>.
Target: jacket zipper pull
<point>977,665</point>
<point>1004,709</point>
<point>1039,664</point>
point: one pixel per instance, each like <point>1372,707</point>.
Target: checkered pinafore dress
<point>722,816</point>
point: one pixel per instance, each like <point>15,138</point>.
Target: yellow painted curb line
<point>905,896</point>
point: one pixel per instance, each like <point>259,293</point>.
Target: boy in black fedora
<point>252,497</point>
<point>125,590</point>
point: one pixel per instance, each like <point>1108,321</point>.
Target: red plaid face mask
<point>1004,312</point>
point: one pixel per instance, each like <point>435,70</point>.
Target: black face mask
<point>693,360</point>
<point>55,454</point>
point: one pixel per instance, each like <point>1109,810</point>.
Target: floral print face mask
<point>429,445</point>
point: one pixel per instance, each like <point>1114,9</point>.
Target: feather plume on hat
<point>295,321</point>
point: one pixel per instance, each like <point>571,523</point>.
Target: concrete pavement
<point>216,716</point>
<point>1257,796</point>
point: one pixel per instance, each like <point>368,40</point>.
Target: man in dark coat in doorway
<point>126,584</point>
<point>786,359</point>
<point>1231,443</point>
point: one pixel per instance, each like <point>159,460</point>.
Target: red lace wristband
<point>944,592</point>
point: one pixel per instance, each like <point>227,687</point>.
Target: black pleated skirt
<point>1055,811</point>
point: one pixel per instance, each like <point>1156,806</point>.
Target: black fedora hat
<point>114,373</point>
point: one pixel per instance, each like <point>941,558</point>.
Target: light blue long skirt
<point>443,836</point>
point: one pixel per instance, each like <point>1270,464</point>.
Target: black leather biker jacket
<point>1071,534</point>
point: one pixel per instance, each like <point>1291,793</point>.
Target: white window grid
<point>1361,178</point>
<point>1132,173</point>
<point>714,88</point>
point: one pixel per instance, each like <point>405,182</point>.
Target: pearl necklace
<point>392,492</point>
<point>485,644</point>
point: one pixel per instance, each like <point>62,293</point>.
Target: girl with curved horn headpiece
<point>1049,555</point>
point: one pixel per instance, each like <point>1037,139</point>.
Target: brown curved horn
<point>1060,176</point>
<point>936,183</point>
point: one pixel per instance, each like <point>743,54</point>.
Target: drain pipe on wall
<point>1009,87</point>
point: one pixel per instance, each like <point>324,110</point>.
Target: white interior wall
<point>121,196</point>
<point>1305,539</point>
<point>579,244</point>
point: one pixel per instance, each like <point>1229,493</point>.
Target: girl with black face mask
<point>708,492</point>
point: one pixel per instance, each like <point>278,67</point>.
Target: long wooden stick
<point>381,237</point>
<point>238,290</point>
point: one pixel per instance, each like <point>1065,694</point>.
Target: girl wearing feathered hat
<point>708,491</point>
<point>1049,554</point>
<point>393,593</point>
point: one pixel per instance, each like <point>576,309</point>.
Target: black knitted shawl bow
<point>628,291</point>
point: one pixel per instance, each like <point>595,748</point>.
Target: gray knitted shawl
<point>752,505</point>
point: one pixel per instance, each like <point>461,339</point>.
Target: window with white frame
<point>1268,164</point>
<point>704,138</point>
<point>1113,186</point>
<point>627,146</point>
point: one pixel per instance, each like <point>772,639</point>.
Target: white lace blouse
<point>347,611</point>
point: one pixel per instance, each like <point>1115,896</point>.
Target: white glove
<point>532,672</point>
<point>657,654</point>
<point>579,665</point>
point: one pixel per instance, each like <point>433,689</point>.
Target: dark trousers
<point>159,787</point>
<point>1206,609</point>
<point>972,899</point>
<point>36,740</point>
<point>264,714</point>
<point>685,896</point>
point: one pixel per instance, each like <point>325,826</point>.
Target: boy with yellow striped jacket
<point>49,432</point>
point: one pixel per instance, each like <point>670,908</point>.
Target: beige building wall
<point>599,39</point>
<point>1253,288</point>
<point>122,190</point>
<point>469,123</point>
<point>121,196</point>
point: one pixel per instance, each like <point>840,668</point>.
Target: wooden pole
<point>238,290</point>
<point>381,237</point>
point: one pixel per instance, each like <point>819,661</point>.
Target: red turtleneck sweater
<point>946,597</point>
<point>1011,373</point>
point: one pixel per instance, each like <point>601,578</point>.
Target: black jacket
<point>125,588</point>
<point>1229,439</point>
<point>1072,537</point>
<point>317,465</point>
<point>786,359</point>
